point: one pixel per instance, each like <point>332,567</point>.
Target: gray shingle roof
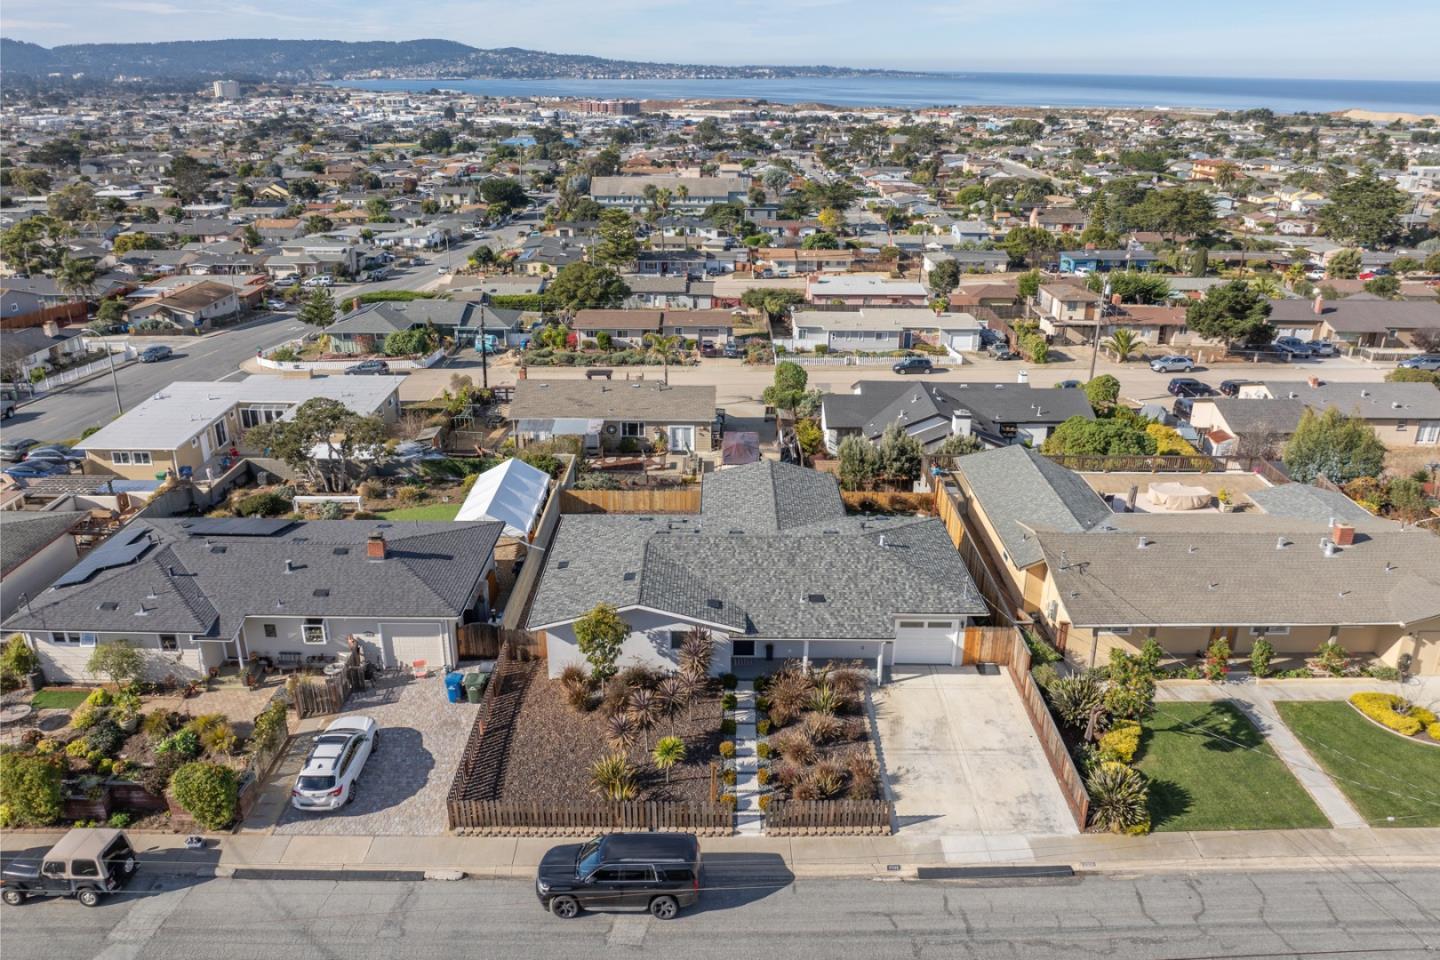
<point>647,400</point>
<point>880,402</point>
<point>1022,491</point>
<point>760,579</point>
<point>1300,501</point>
<point>207,584</point>
<point>1370,401</point>
<point>1223,577</point>
<point>1258,415</point>
<point>24,534</point>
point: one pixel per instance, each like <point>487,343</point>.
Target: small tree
<point>900,454</point>
<point>318,310</point>
<point>1102,392</point>
<point>30,793</point>
<point>1335,446</point>
<point>1122,343</point>
<point>1260,656</point>
<point>1232,313</point>
<point>600,635</point>
<point>1217,660</point>
<point>209,792</point>
<point>859,463</point>
<point>788,389</point>
<point>120,661</point>
<point>668,752</point>
<point>1343,265</point>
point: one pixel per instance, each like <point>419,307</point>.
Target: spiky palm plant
<point>620,730</point>
<point>1119,798</point>
<point>613,778</point>
<point>644,711</point>
<point>667,753</point>
<point>1122,343</point>
<point>672,697</point>
<point>824,699</point>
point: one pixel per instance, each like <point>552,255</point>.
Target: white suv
<point>327,781</point>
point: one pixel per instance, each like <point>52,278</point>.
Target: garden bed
<point>1210,769</point>
<point>552,746</point>
<point>1391,782</point>
<point>817,746</point>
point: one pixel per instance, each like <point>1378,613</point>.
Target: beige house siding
<point>68,662</point>
<point>37,573</point>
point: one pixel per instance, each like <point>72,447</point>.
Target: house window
<point>59,636</point>
<point>1118,631</point>
<point>126,457</point>
<point>220,434</point>
<point>120,456</point>
<point>313,632</point>
<point>632,428</point>
<point>169,641</point>
<point>742,648</point>
<point>1269,631</point>
<point>269,630</point>
<point>677,639</point>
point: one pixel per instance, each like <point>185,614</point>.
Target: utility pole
<point>1099,322</point>
<point>114,381</point>
<point>484,353</point>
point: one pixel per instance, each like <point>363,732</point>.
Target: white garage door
<point>925,641</point>
<point>403,643</point>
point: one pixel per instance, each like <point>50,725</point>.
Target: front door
<point>1227,634</point>
<point>682,438</point>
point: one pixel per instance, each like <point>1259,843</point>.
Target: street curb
<point>311,873</point>
<point>20,404</point>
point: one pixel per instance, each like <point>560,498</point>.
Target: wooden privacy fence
<point>1071,784</point>
<point>808,818</point>
<point>535,819</point>
<point>644,500</point>
<point>974,553</point>
<point>316,696</point>
<point>482,641</point>
<point>987,645</point>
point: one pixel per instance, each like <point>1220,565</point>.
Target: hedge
<point>378,296</point>
<point>522,301</point>
<point>1121,741</point>
<point>29,790</point>
<point>1383,708</point>
<point>208,792</point>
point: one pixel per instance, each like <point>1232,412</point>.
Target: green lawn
<point>1210,769</point>
<point>434,511</point>
<point>1382,774</point>
<point>58,699</point>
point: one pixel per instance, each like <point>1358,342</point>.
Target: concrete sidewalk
<point>499,857</point>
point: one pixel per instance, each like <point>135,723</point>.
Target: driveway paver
<point>403,786</point>
<point>960,757</point>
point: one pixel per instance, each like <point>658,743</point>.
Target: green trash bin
<point>475,686</point>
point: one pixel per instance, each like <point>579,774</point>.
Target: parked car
<point>1172,363</point>
<point>1324,348</point>
<point>1292,346</point>
<point>1231,388</point>
<point>13,451</point>
<point>156,353</point>
<point>1425,361</point>
<point>7,409</point>
<point>1189,387</point>
<point>1068,385</point>
<point>37,470</point>
<point>733,351</point>
<point>274,304</point>
<point>367,367</point>
<point>658,872</point>
<point>86,863</point>
<point>1000,350</point>
<point>912,365</point>
<point>319,280</point>
<point>327,780</point>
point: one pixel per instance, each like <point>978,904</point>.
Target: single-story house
<point>883,329</point>
<point>38,348</point>
<point>1103,261</point>
<point>1361,320</point>
<point>623,326</point>
<point>772,566</point>
<point>612,414</point>
<point>197,593</point>
<point>1000,414</point>
<point>192,307</point>
<point>794,260</point>
<point>969,261</point>
<point>685,193</point>
<point>190,426</point>
<point>1402,414</point>
<point>707,326</point>
<point>865,290</point>
<point>364,331</point>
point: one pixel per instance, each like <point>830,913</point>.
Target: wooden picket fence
<point>987,645</point>
<point>535,819</point>
<point>811,818</point>
<point>482,641</point>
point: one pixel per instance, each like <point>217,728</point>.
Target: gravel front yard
<point>552,746</point>
<point>403,787</point>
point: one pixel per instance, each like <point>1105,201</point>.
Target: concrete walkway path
<point>1257,702</point>
<point>748,816</point>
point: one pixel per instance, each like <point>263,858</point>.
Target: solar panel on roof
<point>112,553</point>
<point>237,527</point>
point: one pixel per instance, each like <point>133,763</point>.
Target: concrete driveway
<point>402,789</point>
<point>961,757</point>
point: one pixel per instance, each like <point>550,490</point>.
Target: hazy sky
<point>1258,38</point>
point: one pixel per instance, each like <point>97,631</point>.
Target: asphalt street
<point>64,414</point>
<point>1328,912</point>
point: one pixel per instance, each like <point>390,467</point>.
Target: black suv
<point>912,365</point>
<point>86,863</point>
<point>659,872</point>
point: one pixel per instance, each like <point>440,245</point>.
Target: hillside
<point>332,59</point>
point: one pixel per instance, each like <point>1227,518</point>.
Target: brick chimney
<point>1319,304</point>
<point>1342,534</point>
<point>50,328</point>
<point>375,546</point>
<point>1115,299</point>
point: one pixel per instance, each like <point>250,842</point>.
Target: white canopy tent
<point>513,493</point>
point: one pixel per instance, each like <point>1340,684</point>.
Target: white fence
<point>80,373</point>
<point>418,363</point>
<point>810,360</point>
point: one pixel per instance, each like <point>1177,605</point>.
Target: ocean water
<point>1000,89</point>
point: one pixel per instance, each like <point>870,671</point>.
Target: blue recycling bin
<point>452,686</point>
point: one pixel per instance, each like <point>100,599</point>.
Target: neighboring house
<point>773,567</point>
<point>865,290</point>
<point>1103,261</point>
<point>793,260</point>
<point>1098,580</point>
<point>37,348</point>
<point>1360,320</point>
<point>1154,324</point>
<point>706,326</point>
<point>969,261</point>
<point>365,330</point>
<point>192,307</point>
<point>544,256</point>
<point>1061,305</point>
<point>672,263</point>
<point>882,329</point>
<point>1000,414</point>
<point>687,194</point>
<point>308,256</point>
<point>1249,426</point>
<point>189,427</point>
<point>35,548</point>
<point>970,231</point>
<point>1402,414</point>
<point>197,593</point>
<point>625,327</point>
<point>611,414</point>
<point>672,292</point>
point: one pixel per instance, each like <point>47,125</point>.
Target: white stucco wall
<point>288,637</point>
<point>67,662</point>
<point>648,644</point>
